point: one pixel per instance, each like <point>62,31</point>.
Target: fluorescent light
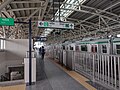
<point>65,13</point>
<point>109,36</point>
<point>118,35</point>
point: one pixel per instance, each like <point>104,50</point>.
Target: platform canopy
<point>91,18</point>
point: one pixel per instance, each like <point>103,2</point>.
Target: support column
<point>30,60</point>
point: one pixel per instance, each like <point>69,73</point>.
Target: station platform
<point>52,76</point>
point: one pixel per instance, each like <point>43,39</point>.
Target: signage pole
<point>30,61</point>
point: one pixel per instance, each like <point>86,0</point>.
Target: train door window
<point>104,48</point>
<point>84,48</point>
<point>118,49</point>
<point>94,48</point>
<point>77,48</point>
<point>67,48</point>
<point>71,48</point>
<point>63,47</point>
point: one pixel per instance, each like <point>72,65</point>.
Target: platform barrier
<point>101,68</point>
<point>26,70</point>
<point>32,54</point>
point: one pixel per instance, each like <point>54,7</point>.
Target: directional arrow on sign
<point>40,23</point>
<point>71,25</point>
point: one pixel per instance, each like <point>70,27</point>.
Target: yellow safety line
<point>79,78</point>
<point>14,87</point>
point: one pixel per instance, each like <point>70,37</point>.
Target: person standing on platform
<point>42,52</point>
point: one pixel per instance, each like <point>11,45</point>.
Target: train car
<point>104,46</point>
<point>116,46</point>
<point>95,46</point>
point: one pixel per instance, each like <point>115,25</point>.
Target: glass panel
<point>84,48</point>
<point>63,47</point>
<point>118,51</point>
<point>92,49</point>
<point>77,48</point>
<point>71,48</point>
<point>104,48</point>
<point>95,48</point>
<point>117,46</point>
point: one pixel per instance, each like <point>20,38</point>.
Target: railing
<point>101,68</point>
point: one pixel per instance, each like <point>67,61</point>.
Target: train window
<point>63,47</point>
<point>94,48</point>
<point>118,49</point>
<point>71,48</point>
<point>77,48</point>
<point>104,48</point>
<point>84,48</point>
<point>67,48</point>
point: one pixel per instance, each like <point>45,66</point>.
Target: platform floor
<point>52,77</point>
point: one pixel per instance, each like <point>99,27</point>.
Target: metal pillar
<point>30,60</point>
<point>30,49</point>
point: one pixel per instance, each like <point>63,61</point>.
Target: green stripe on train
<point>102,42</point>
<point>116,41</point>
<point>93,42</point>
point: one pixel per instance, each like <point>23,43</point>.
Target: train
<point>63,52</point>
<point>102,46</point>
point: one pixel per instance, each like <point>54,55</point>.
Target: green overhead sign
<point>59,25</point>
<point>6,21</point>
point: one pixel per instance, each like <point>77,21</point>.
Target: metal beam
<point>4,4</point>
<point>35,1</point>
<point>20,9</point>
<point>96,14</point>
<point>25,20</point>
<point>27,17</point>
<point>43,11</point>
<point>102,10</point>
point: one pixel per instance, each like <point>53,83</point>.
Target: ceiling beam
<point>35,1</point>
<point>101,11</point>
<point>25,20</point>
<point>5,3</point>
<point>19,9</point>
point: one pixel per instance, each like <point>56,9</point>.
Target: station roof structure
<point>92,18</point>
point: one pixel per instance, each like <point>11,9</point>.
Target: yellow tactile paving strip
<point>15,87</point>
<point>79,78</point>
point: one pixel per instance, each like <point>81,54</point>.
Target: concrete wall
<point>2,63</point>
<point>15,51</point>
